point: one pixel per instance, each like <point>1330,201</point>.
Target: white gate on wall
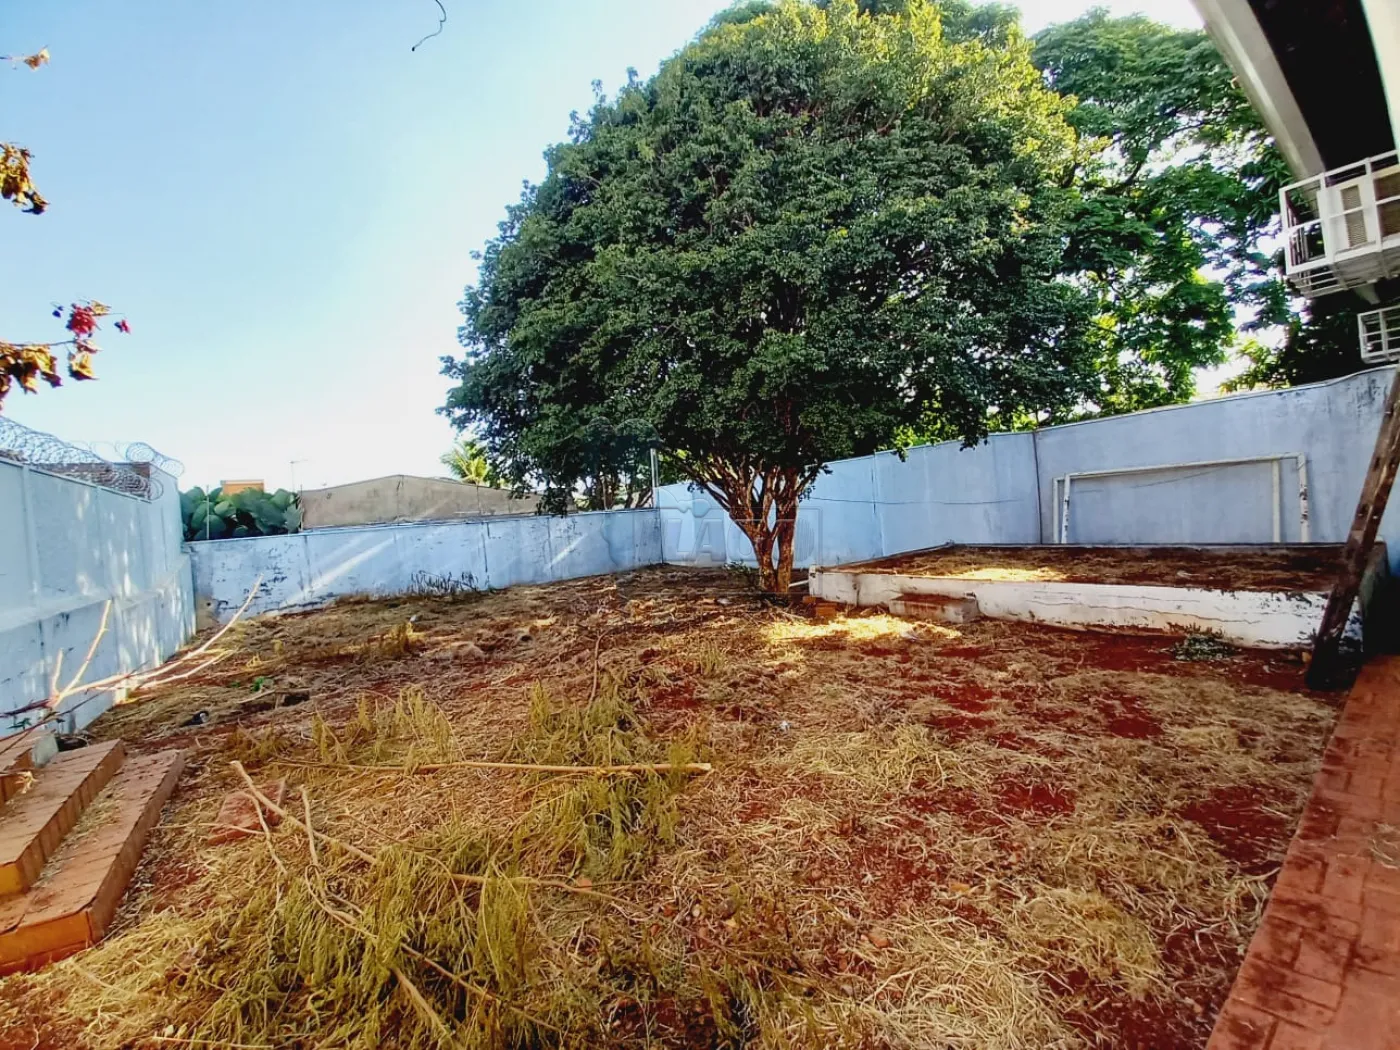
<point>1182,474</point>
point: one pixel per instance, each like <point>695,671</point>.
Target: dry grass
<point>989,837</point>
<point>1307,568</point>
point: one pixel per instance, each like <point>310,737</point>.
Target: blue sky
<point>283,200</point>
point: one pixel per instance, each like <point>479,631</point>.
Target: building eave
<point>1241,40</point>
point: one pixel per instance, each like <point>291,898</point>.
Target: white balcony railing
<point>1342,228</point>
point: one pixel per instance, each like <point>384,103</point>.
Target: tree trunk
<point>761,539</point>
<point>762,502</point>
<point>786,528</point>
<point>765,509</point>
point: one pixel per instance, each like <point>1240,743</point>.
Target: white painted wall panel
<point>1253,618</point>
<point>17,581</point>
<point>457,557</point>
<point>89,546</point>
<point>516,549</point>
<point>315,567</point>
<point>63,512</point>
<point>942,492</point>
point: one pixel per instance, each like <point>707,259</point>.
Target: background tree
<point>1179,188</point>
<point>1178,183</point>
<point>811,228</point>
<point>1320,342</point>
<point>467,462</point>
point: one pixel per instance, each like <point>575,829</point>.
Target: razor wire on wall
<point>134,473</point>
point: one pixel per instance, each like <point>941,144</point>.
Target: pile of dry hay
<point>849,880</point>
<point>456,935</point>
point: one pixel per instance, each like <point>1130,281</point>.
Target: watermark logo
<point>701,533</point>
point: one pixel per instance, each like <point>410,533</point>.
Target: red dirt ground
<point>1021,702</point>
<point>1241,823</point>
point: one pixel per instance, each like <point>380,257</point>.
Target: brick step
<point>939,608</point>
<point>33,824</point>
<point>74,899</point>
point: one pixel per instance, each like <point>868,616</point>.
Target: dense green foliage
<point>1178,186</point>
<point>252,512</point>
<point>1320,342</point>
<point>811,229</point>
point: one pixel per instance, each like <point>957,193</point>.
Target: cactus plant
<point>212,515</point>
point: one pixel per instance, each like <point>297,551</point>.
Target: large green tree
<point>1178,187</point>
<point>1174,235</point>
<point>813,227</point>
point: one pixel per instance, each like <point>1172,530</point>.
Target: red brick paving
<point>1323,970</point>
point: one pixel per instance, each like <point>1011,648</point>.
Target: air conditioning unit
<point>1380,335</point>
<point>1365,210</point>
<point>1342,228</point>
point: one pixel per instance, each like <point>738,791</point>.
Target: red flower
<point>82,321</point>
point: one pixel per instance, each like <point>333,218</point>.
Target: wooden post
<point>1375,492</point>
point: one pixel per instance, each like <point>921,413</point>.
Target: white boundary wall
<point>69,546</point>
<point>1002,491</point>
<point>309,568</point>
<point>66,548</point>
<point>999,492</point>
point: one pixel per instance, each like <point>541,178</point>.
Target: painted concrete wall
<point>1256,618</point>
<point>998,492</point>
<point>312,567</point>
<point>1333,424</point>
<point>875,505</point>
<point>66,548</point>
<point>1003,490</point>
<point>401,497</point>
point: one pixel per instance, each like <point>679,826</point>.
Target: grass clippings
<point>1280,568</point>
<point>994,836</point>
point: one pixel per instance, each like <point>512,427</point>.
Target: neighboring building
<point>1325,78</point>
<point>402,497</point>
<point>236,485</point>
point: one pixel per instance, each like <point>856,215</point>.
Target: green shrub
<point>213,516</point>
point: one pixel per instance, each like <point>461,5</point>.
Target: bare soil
<point>997,835</point>
<point>1297,568</point>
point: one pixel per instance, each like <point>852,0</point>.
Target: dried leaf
<point>15,183</point>
<point>80,365</point>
